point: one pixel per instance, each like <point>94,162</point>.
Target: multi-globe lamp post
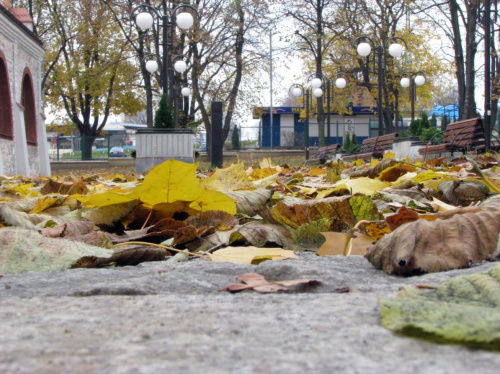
<point>316,82</point>
<point>395,49</point>
<point>413,80</point>
<point>297,90</point>
<point>184,21</point>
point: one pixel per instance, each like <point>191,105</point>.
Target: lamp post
<point>487,74</point>
<point>316,82</point>
<point>414,79</point>
<point>297,90</point>
<point>395,50</point>
<point>184,21</point>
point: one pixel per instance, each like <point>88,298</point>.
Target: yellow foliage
<point>168,182</point>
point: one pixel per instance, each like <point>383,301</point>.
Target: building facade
<point>287,129</point>
<point>23,139</point>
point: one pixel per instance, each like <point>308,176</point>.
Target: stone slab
<point>168,317</point>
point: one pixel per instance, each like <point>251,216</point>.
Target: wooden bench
<point>459,136</point>
<point>373,147</point>
<point>325,153</point>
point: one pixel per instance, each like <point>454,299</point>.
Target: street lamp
<point>184,21</point>
<point>395,50</point>
<point>297,90</point>
<point>414,79</point>
<point>316,82</point>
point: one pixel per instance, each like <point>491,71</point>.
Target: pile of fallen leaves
<point>405,217</point>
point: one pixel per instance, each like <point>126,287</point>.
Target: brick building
<point>23,144</point>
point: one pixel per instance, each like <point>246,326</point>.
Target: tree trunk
<point>470,55</point>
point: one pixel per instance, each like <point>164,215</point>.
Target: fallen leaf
<point>258,283</point>
<point>230,179</point>
<point>259,235</point>
<point>69,229</point>
<point>402,216</point>
<point>334,245</point>
<point>463,310</point>
<point>423,246</point>
<point>26,250</point>
<point>249,202</point>
<point>376,229</point>
<point>250,255</point>
<point>126,255</point>
<point>364,185</point>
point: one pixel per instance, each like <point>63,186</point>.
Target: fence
<point>292,136</point>
<point>90,147</point>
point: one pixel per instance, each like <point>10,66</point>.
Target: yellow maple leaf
<point>314,172</point>
<point>44,203</point>
<point>389,154</point>
<point>365,186</point>
<point>167,183</point>
<point>232,178</point>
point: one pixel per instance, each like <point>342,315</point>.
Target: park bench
<point>372,147</point>
<point>325,153</point>
<point>460,136</point>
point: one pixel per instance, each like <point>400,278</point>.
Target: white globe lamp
<point>180,66</point>
<point>364,49</point>
<point>318,92</point>
<point>396,50</point>
<point>419,80</point>
<point>151,66</point>
<point>184,20</point>
<point>296,91</point>
<point>144,20</point>
<point>315,83</point>
<point>405,82</point>
<point>340,83</point>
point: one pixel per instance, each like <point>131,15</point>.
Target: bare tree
<point>455,18</point>
<point>318,24</point>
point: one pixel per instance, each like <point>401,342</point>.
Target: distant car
<point>116,152</point>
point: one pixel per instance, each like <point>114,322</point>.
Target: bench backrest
<point>368,145</point>
<point>325,151</point>
<point>465,133</point>
<point>378,144</point>
<point>385,141</point>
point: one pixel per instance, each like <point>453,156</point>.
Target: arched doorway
<point>6,123</point>
<point>28,102</point>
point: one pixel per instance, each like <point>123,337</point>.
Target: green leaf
<point>463,310</point>
<point>26,250</point>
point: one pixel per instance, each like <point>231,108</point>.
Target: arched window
<point>6,123</point>
<point>28,102</point>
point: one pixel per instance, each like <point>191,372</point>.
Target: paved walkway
<point>168,317</point>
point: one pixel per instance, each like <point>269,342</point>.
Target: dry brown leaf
<point>450,213</point>
<point>126,255</point>
<point>402,216</point>
<point>222,221</point>
<point>425,247</point>
<point>258,283</point>
<point>63,188</point>
<point>334,245</point>
<point>259,235</point>
<point>69,229</point>
<point>374,171</point>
